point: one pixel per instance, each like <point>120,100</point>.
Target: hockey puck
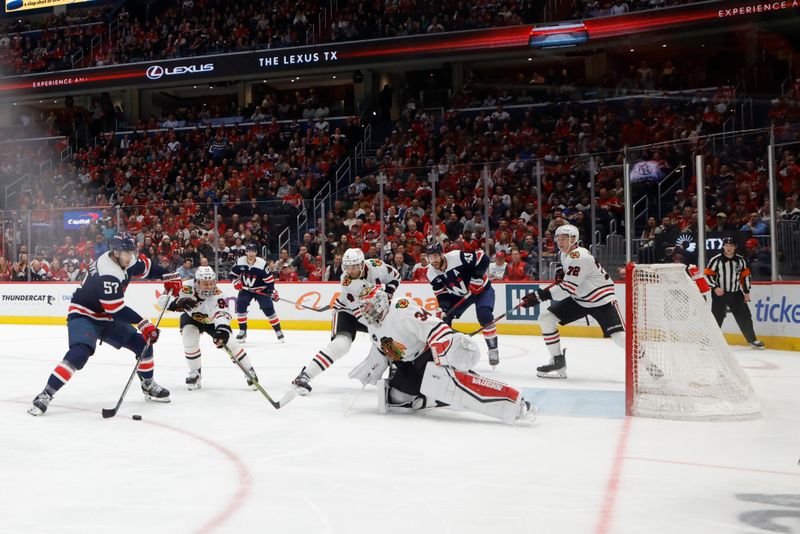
<point>136,417</point>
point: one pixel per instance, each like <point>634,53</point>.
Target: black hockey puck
<point>136,417</point>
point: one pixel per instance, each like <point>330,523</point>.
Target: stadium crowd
<point>167,183</point>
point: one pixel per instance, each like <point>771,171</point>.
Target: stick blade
<point>109,413</point>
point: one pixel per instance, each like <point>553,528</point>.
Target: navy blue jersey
<point>460,269</point>
<point>254,277</point>
<point>101,296</point>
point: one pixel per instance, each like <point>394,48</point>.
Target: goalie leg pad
<point>472,392</point>
<point>371,369</point>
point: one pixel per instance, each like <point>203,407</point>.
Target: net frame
<point>701,378</point>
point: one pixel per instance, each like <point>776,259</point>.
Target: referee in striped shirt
<point>729,278</point>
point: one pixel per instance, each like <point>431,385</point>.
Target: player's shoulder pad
<point>108,267</point>
<point>580,253</point>
<point>346,280</point>
<point>401,303</point>
<point>375,263</point>
<point>242,260</point>
<point>260,263</point>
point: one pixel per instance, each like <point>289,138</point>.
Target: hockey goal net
<point>678,364</point>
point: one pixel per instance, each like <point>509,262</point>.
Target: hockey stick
<point>277,405</point>
<point>113,411</point>
<point>347,406</point>
<point>455,307</point>
<point>499,317</point>
<point>322,309</point>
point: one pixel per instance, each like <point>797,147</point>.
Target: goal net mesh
<point>679,364</point>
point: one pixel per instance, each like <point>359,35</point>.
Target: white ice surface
<point>221,459</point>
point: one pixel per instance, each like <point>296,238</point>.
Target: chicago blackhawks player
<point>583,288</point>
<point>347,319</point>
<point>204,310</point>
<point>431,363</point>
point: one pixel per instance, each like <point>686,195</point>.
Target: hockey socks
<point>553,342</point>
<point>242,319</point>
<point>274,322</point>
<point>490,336</point>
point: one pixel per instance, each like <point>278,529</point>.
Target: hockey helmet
<point>122,241</point>
<point>570,231</point>
<point>205,282</point>
<point>433,248</point>
<point>374,304</point>
<point>251,246</point>
<point>353,257</point>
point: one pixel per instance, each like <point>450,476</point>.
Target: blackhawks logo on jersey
<point>574,254</point>
<point>402,303</point>
<point>200,317</point>
<point>346,282</point>
<point>392,349</point>
<point>187,290</point>
<point>375,263</point>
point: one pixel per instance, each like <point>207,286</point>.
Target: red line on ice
<point>607,511</point>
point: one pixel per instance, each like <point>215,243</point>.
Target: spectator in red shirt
<point>419,273</point>
<point>469,243</point>
<point>318,271</point>
<point>516,270</point>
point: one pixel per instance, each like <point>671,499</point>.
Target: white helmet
<point>374,304</point>
<point>570,231</point>
<point>205,274</point>
<point>353,257</point>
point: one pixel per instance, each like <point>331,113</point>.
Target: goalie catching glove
<point>536,297</point>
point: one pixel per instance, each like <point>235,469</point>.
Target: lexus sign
<point>156,72</point>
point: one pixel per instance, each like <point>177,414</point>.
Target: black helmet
<point>122,241</point>
<point>251,246</point>
<point>433,248</point>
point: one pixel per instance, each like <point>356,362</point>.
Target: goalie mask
<point>205,282</point>
<point>374,304</point>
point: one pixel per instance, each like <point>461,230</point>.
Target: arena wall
<point>775,307</point>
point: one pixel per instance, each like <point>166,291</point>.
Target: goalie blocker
<point>431,364</point>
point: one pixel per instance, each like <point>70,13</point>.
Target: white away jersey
<point>585,280</point>
<point>407,330</point>
<point>212,310</point>
<point>376,273</point>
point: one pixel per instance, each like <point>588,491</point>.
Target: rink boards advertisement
<point>775,308</point>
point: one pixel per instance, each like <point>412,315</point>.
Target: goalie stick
<point>277,405</point>
<point>113,411</point>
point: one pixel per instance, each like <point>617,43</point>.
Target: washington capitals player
<point>204,310</point>
<point>431,363</point>
<point>253,281</point>
<point>98,312</point>
<point>462,275</point>
<point>347,319</point>
<point>583,288</point>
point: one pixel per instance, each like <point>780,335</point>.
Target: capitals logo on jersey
<point>459,269</point>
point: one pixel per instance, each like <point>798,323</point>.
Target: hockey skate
<point>301,383</point>
<point>557,368</point>
<point>494,357</point>
<point>40,403</point>
<point>194,380</point>
<point>252,379</point>
<point>757,345</point>
<point>280,335</point>
<point>153,392</point>
<point>241,337</point>
<point>527,411</point>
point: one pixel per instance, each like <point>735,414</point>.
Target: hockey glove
<point>237,284</point>
<point>172,283</point>
<point>183,304</point>
<point>559,274</point>
<point>536,297</point>
<point>221,337</point>
<point>275,296</point>
<point>149,331</point>
<point>476,285</point>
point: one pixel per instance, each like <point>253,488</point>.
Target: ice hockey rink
<point>221,459</point>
